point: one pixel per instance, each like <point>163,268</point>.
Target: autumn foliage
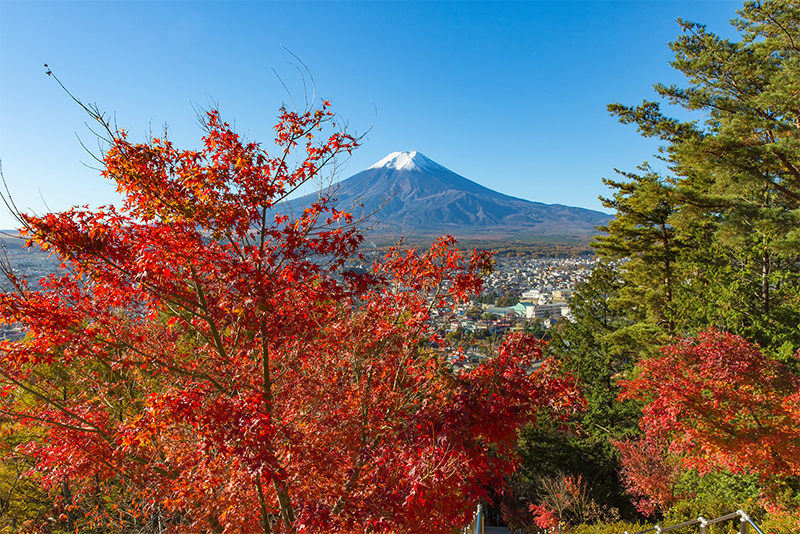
<point>650,472</point>
<point>204,361</point>
<point>714,401</point>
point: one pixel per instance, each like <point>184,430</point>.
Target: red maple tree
<point>650,472</point>
<point>720,403</point>
<point>204,360</point>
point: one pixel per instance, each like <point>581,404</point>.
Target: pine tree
<point>736,175</point>
<point>642,233</point>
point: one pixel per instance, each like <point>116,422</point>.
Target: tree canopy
<point>202,355</point>
<point>735,183</point>
<point>708,249</point>
<point>693,314</point>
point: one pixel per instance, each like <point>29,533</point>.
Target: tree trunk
<point>765,303</point>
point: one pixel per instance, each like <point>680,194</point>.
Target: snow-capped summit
<point>406,191</point>
<point>407,161</point>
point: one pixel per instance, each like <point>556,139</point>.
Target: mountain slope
<point>414,194</point>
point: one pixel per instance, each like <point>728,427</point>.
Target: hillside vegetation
<point>686,339</point>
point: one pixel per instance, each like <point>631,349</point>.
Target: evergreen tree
<point>598,348</point>
<point>591,350</point>
<point>729,211</point>
<point>642,233</point>
<point>737,173</point>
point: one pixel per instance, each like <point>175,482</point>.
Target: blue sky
<point>511,95</point>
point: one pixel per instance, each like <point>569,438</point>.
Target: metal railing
<point>476,525</point>
<point>744,524</point>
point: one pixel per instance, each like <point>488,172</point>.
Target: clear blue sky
<point>509,94</point>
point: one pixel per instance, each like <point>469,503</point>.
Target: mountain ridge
<point>410,192</point>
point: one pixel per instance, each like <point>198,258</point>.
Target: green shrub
<point>617,527</point>
<point>715,494</point>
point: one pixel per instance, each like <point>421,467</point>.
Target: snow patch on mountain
<point>406,190</point>
<point>407,161</point>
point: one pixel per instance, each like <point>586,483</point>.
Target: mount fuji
<point>413,195</point>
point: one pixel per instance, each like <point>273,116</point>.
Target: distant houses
<point>540,290</point>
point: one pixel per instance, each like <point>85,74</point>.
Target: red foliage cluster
<point>203,356</point>
<point>544,517</point>
<point>650,472</point>
<point>714,401</point>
